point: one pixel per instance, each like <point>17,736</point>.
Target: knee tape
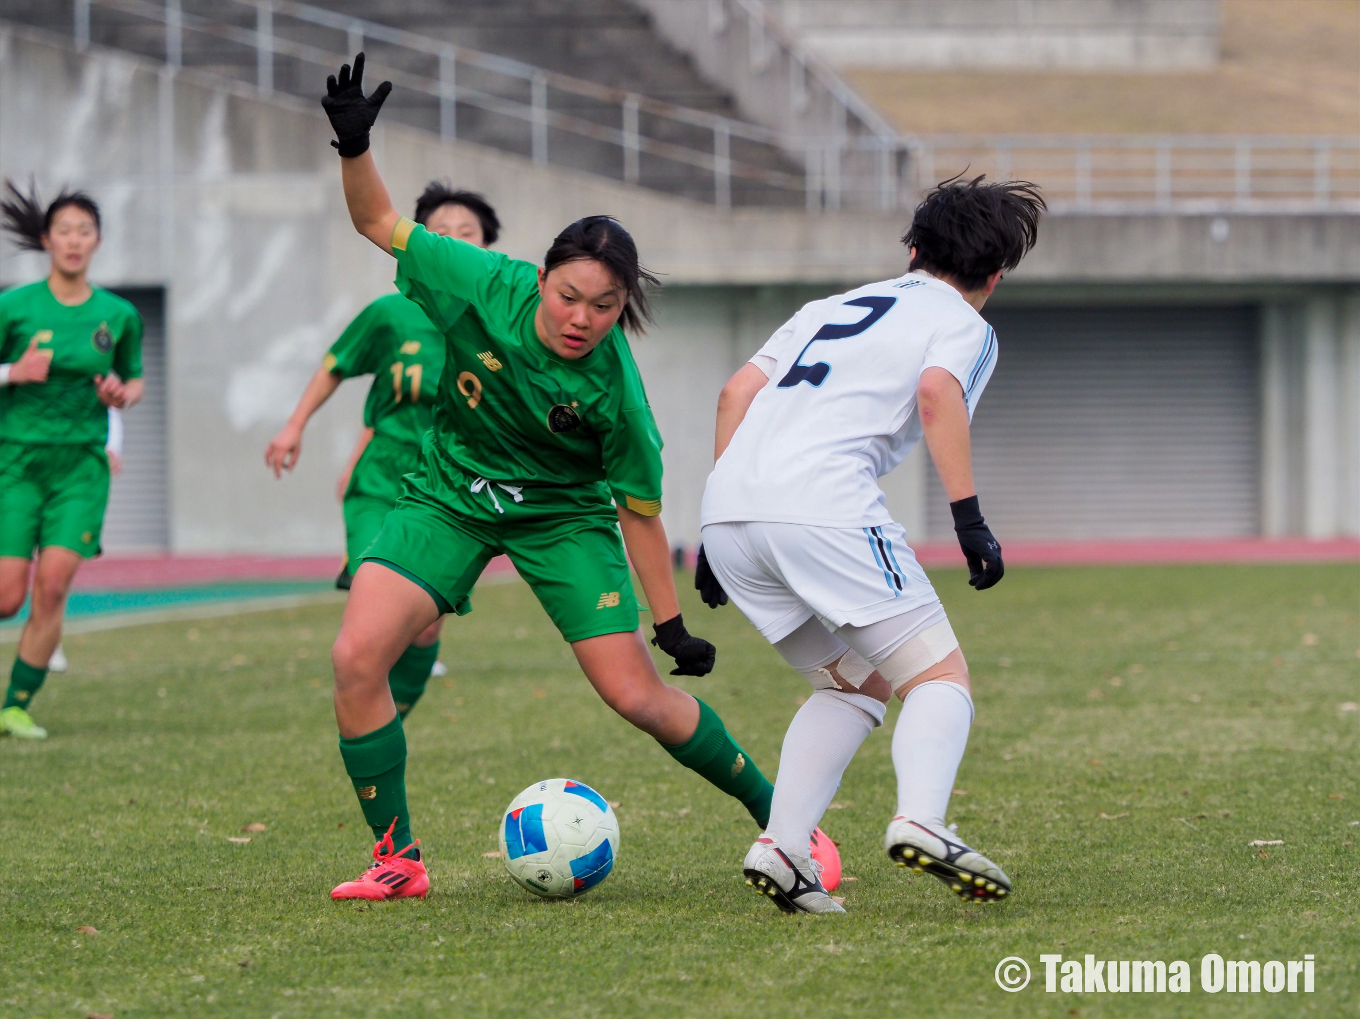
<point>929,647</point>
<point>851,667</point>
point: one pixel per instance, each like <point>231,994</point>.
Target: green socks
<point>376,764</point>
<point>409,676</point>
<point>716,756</point>
<point>24,681</point>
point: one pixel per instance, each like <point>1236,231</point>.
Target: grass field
<point>1198,709</point>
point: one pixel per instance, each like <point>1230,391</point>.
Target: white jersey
<point>839,411</point>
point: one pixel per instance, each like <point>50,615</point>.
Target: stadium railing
<point>856,162</point>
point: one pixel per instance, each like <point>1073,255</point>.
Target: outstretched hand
<point>352,114</point>
<point>283,450</point>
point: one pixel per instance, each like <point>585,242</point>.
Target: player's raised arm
<point>352,115</point>
<point>284,449</point>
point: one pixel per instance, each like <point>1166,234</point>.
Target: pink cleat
<point>824,851</point>
<point>392,875</point>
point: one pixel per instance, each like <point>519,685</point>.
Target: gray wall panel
<point>1118,423</point>
<point>138,517</point>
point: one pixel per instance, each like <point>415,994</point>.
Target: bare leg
<point>13,584</point>
<point>623,674</point>
<point>51,584</point>
<point>384,613</point>
<point>430,634</point>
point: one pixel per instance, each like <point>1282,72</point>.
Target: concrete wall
<point>1310,356</point>
<point>233,204</point>
<point>1150,35</point>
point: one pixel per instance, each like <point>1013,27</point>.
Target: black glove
<point>979,545</point>
<point>694,656</point>
<point>352,114</point>
<point>710,591</point>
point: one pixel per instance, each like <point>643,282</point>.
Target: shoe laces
<point>385,850</point>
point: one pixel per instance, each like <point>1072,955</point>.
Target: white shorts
<point>782,575</point>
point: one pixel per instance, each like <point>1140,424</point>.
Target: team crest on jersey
<point>563,418</point>
<point>102,338</point>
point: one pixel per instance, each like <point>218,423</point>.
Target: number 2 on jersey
<point>815,374</point>
<point>410,372</point>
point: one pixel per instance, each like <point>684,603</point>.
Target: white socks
<point>822,738</point>
<point>927,746</point>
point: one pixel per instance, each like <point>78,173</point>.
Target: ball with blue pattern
<point>559,838</point>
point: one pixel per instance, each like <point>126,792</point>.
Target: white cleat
<point>58,662</point>
<point>438,669</point>
<point>793,883</point>
<point>939,852</point>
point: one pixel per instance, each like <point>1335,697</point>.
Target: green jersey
<point>393,341</point>
<point>510,410</point>
<point>102,335</point>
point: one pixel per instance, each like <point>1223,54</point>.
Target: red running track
<point>128,572</point>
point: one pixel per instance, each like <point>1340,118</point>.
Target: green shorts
<point>564,541</point>
<point>52,495</point>
<point>375,485</point>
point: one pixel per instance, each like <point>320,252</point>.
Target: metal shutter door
<point>138,516</point>
<point>1117,423</point>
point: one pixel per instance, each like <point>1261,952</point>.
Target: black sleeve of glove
<point>351,113</point>
<point>693,656</point>
<point>979,545</point>
<point>710,591</point>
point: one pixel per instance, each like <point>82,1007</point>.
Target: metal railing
<point>1152,173</point>
<point>858,163</point>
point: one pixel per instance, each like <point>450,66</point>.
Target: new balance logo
<point>367,792</point>
<point>608,600</point>
<point>489,359</point>
<point>737,765</point>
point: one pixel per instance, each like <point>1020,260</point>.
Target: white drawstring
<point>482,483</point>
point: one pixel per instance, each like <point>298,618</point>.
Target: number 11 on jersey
<point>411,372</point>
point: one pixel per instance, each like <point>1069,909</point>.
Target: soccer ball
<point>559,838</point>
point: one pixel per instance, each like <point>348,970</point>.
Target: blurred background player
<point>796,529</point>
<point>68,351</point>
<point>544,447</point>
<point>392,340</point>
<point>113,449</point>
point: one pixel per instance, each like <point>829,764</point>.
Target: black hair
<point>441,192</point>
<point>967,230</point>
<point>603,239</point>
<point>26,221</point>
